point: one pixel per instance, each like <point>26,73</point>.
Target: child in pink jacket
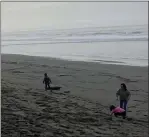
<point>117,111</point>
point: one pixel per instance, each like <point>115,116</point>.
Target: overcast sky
<point>27,16</point>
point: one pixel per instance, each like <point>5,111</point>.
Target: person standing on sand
<point>124,96</point>
<point>46,81</point>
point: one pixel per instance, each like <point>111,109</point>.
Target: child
<point>117,111</point>
<point>47,81</point>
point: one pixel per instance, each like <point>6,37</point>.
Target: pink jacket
<point>117,110</point>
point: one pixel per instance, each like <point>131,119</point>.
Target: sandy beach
<point>80,108</point>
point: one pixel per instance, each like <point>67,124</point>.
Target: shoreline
<point>87,91</point>
<point>103,62</point>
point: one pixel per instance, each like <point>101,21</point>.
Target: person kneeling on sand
<point>117,111</point>
<point>46,81</point>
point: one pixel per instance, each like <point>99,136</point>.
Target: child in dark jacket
<point>46,81</point>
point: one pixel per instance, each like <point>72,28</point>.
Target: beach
<point>80,108</point>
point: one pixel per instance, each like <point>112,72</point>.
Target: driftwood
<point>54,88</point>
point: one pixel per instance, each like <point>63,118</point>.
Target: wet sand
<point>80,108</point>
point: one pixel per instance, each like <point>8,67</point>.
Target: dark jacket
<point>47,80</point>
<point>124,95</point>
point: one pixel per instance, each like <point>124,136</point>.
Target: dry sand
<point>80,108</point>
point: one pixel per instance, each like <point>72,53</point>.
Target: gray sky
<point>31,15</point>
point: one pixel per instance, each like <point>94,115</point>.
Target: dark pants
<point>123,114</point>
<point>123,104</point>
<point>47,86</point>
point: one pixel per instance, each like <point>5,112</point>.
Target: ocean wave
<point>82,35</point>
<point>127,45</point>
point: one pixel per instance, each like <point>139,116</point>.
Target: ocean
<point>122,45</point>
